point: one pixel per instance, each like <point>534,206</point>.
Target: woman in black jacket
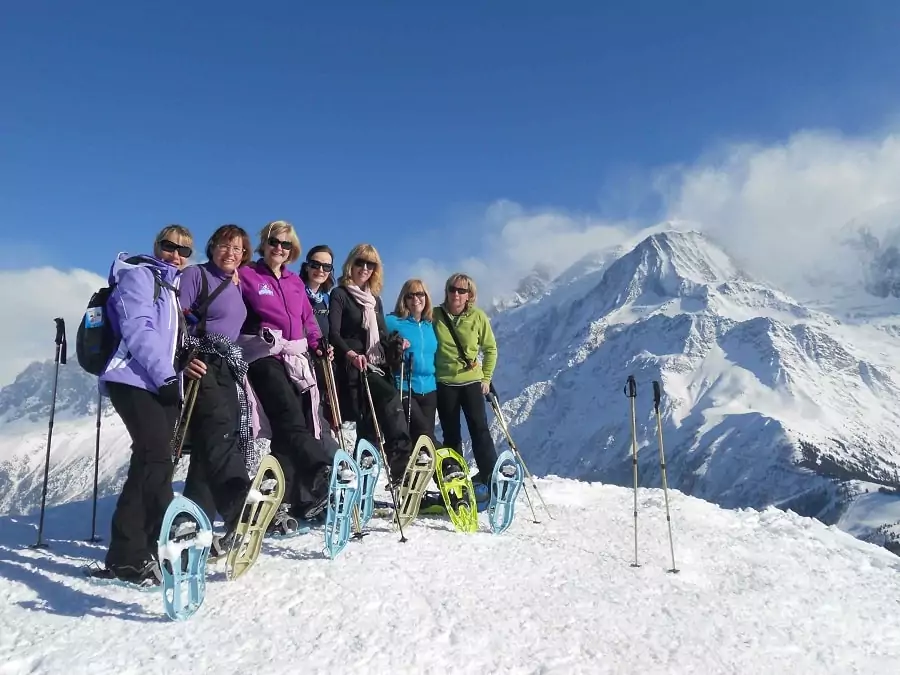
<point>362,349</point>
<point>316,273</point>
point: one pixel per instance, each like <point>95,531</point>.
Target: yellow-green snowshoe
<point>456,490</point>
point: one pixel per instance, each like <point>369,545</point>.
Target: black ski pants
<point>302,456</point>
<point>421,417</point>
<point>147,491</point>
<point>451,398</point>
<point>391,417</point>
<point>217,477</point>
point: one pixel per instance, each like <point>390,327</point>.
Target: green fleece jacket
<point>474,330</point>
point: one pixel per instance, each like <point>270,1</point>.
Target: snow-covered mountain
<point>766,401</point>
<point>24,420</point>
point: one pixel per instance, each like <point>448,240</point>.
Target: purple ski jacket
<point>149,330</point>
<point>279,304</point>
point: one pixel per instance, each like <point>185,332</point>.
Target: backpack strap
<point>199,311</point>
<point>469,365</point>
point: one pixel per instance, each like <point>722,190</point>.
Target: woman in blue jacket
<point>412,319</point>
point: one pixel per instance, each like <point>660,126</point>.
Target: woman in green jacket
<point>463,383</point>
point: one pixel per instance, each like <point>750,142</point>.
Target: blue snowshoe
<point>343,496</point>
<point>183,548</point>
<point>506,481</point>
<point>369,463</point>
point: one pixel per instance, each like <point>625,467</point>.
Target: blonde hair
<point>274,229</point>
<point>368,252</point>
<point>180,230</point>
<point>410,286</point>
<point>460,280</point>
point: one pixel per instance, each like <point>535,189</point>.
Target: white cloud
<point>780,209</point>
<point>31,299</point>
<point>515,240</point>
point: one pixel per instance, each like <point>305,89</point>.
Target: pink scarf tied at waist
<point>294,354</point>
<point>374,351</point>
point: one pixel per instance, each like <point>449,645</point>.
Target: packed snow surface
<point>757,592</point>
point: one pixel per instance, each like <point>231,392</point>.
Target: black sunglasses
<point>316,265</point>
<point>415,294</point>
<point>172,247</point>
<point>367,264</point>
<point>460,291</point>
<point>286,245</point>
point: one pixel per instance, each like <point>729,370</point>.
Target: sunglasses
<point>316,265</point>
<point>416,294</point>
<point>458,291</point>
<point>172,247</point>
<point>367,264</point>
<point>286,245</point>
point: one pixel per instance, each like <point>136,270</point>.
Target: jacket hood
<point>125,262</point>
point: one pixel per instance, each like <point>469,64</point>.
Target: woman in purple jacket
<point>281,328</point>
<point>222,449</point>
<point>145,389</point>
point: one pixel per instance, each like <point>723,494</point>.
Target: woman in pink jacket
<point>277,337</point>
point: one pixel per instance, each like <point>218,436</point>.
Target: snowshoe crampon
<point>260,506</point>
<point>452,475</point>
<point>418,473</point>
<point>343,498</point>
<point>145,579</point>
<point>183,547</point>
<point>506,481</point>
<point>369,464</point>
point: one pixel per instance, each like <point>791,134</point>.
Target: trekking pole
<point>59,358</point>
<point>184,418</point>
<point>495,404</point>
<point>631,392</point>
<point>94,536</point>
<point>384,458</point>
<point>331,389</point>
<point>409,397</point>
<point>662,467</point>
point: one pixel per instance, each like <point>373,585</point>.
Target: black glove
<point>169,394</point>
<point>393,352</point>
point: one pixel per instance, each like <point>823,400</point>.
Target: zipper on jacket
<point>286,311</point>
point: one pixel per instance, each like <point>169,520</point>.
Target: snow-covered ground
<point>757,592</point>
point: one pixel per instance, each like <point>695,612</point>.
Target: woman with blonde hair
<point>412,319</point>
<point>144,385</point>
<point>363,350</point>
<point>276,339</point>
<point>463,331</point>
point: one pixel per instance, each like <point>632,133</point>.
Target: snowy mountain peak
<point>29,396</point>
<point>531,286</point>
<point>666,265</point>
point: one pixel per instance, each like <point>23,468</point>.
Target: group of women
<point>254,339</point>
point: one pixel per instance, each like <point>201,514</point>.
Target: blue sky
<point>397,123</point>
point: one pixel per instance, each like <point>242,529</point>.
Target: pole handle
<point>630,387</point>
<point>61,338</point>
<point>657,396</point>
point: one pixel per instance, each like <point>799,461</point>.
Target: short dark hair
<point>224,235</point>
<point>304,268</point>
